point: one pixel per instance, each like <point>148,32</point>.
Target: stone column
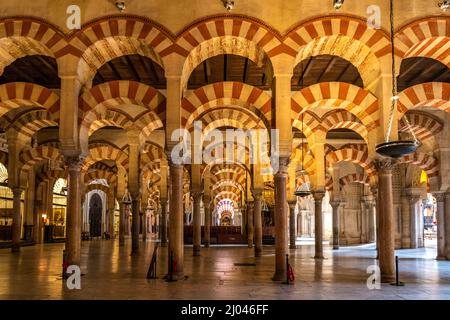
<point>135,223</point>
<point>281,214</point>
<point>163,224</point>
<point>176,245</point>
<point>73,238</point>
<point>370,205</point>
<point>257,220</point>
<point>386,249</point>
<point>122,223</point>
<point>292,226</point>
<point>447,223</point>
<point>413,221</point>
<point>335,205</point>
<point>440,218</point>
<point>197,223</point>
<point>250,227</point>
<point>207,206</point>
<point>318,224</point>
<point>17,220</point>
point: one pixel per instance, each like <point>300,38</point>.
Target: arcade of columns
<point>391,191</point>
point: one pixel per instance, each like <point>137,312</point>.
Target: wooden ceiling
<point>43,70</point>
<point>38,69</point>
<point>132,67</point>
<point>420,70</point>
<point>324,68</point>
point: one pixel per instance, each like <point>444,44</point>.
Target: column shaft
<point>73,238</point>
<point>135,224</point>
<point>292,225</point>
<point>176,220</point>
<point>386,224</point>
<point>335,206</point>
<point>197,224</point>
<point>440,217</point>
<point>318,224</point>
<point>250,227</point>
<point>206,203</point>
<point>281,214</point>
<point>17,220</point>
<point>122,223</point>
<point>163,225</point>
<point>257,220</point>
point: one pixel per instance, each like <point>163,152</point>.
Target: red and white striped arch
<point>423,124</point>
<point>354,28</point>
<point>338,95</point>
<point>352,155</point>
<point>109,176</point>
<point>243,36</point>
<point>97,186</point>
<point>431,94</point>
<point>28,158</point>
<point>342,119</point>
<point>100,153</point>
<point>222,94</point>
<point>354,177</point>
<point>428,37</point>
<point>14,95</point>
<point>95,103</point>
<point>24,36</point>
<point>111,37</point>
<point>426,162</point>
<point>151,154</point>
<point>33,121</point>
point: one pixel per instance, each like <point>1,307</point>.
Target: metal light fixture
<point>121,6</point>
<point>337,4</point>
<point>444,5</point>
<point>228,4</point>
<point>399,148</point>
<point>302,192</point>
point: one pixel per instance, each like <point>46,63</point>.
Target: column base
<point>387,278</point>
<point>258,252</point>
<point>206,245</point>
<point>441,258</point>
<point>292,246</point>
<point>135,253</point>
<point>317,256</point>
<point>335,247</point>
<point>175,277</point>
<point>250,245</point>
<point>196,251</point>
<point>15,248</point>
<point>279,276</point>
<point>163,244</point>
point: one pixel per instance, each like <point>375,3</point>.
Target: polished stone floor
<point>111,273</point>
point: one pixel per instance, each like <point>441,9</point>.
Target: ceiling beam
<point>304,72</point>
<point>225,67</point>
<point>245,72</point>
<point>114,70</point>
<point>132,68</point>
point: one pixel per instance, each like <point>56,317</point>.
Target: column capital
<point>249,204</point>
<point>17,191</point>
<point>74,163</point>
<point>257,193</point>
<point>318,195</point>
<point>384,165</point>
<point>283,164</point>
<point>335,204</point>
<point>440,196</point>
<point>197,195</point>
<point>292,203</point>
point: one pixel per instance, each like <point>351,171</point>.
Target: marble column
<point>111,223</point>
<point>250,227</point>
<point>145,223</point>
<point>197,223</point>
<point>318,224</point>
<point>122,223</point>
<point>17,219</point>
<point>207,207</point>
<point>335,205</point>
<point>73,237</point>
<point>413,222</point>
<point>176,245</point>
<point>281,214</point>
<point>292,226</point>
<point>440,218</point>
<point>163,225</point>
<point>257,220</point>
<point>386,250</point>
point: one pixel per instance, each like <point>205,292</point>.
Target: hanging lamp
<point>397,148</point>
<point>302,192</point>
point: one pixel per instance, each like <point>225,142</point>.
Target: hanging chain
<point>394,98</point>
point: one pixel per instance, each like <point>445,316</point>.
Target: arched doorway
<point>95,216</point>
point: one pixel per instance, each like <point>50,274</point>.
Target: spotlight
<point>444,5</point>
<point>229,4</point>
<point>120,5</point>
<point>338,4</point>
